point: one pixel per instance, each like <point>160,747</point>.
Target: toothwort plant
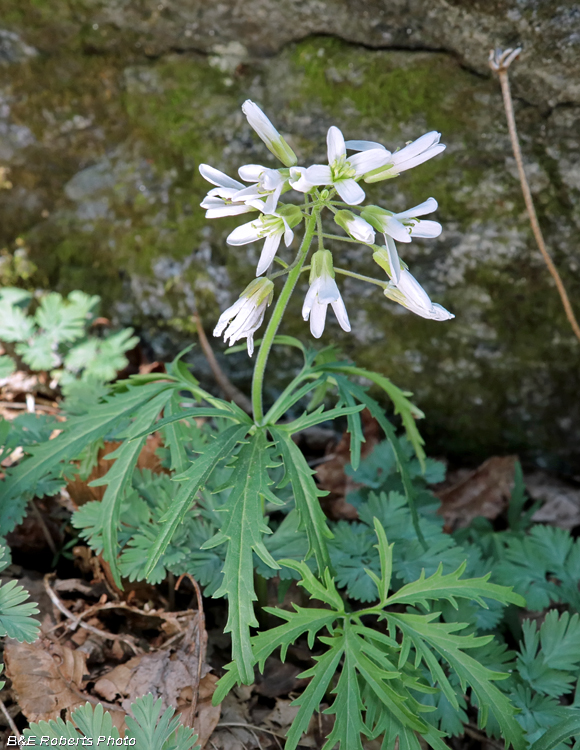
<point>397,668</point>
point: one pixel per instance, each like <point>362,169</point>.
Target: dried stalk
<point>229,389</point>
<point>499,62</point>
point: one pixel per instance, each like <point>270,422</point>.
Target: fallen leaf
<point>484,492</point>
<point>560,500</point>
<point>278,678</point>
<point>46,678</point>
<point>208,716</point>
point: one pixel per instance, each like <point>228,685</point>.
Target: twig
<point>229,389</point>
<point>250,726</point>
<point>477,735</point>
<point>499,62</point>
<point>44,527</point>
<point>78,623</point>
<point>199,642</point>
<point>9,719</point>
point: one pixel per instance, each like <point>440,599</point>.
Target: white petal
<point>244,234</point>
<point>271,179</point>
<point>366,161</point>
<point>414,292</point>
<point>251,172</point>
<point>393,260</point>
<point>417,147</point>
<point>222,192</point>
<point>250,341</point>
<point>318,174</point>
<point>363,145</point>
<point>288,234</point>
<point>269,250</point>
<point>311,295</point>
<point>327,291</point>
<point>335,144</point>
<point>341,314</point>
<point>426,229</point>
<point>216,213</point>
<point>350,192</point>
<point>227,315</point>
<point>213,175</point>
<point>248,193</point>
<point>317,319</point>
<point>298,180</point>
<point>272,200</point>
<point>395,229</point>
<point>427,207</point>
<point>419,159</point>
<point>440,313</point>
<point>361,230</point>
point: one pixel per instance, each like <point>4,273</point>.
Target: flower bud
<point>355,226</point>
<point>268,133</point>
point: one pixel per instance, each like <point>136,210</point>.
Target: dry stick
<point>200,643</point>
<point>78,623</point>
<point>499,62</point>
<point>44,528</point>
<point>9,719</point>
<point>229,389</point>
<point>228,724</point>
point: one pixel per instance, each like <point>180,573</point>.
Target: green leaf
<point>195,413</point>
<point>119,475</point>
<point>549,658</point>
<point>243,528</point>
<point>441,637</point>
<point>64,321</point>
<point>405,408</point>
<point>306,495</point>
<point>439,586</point>
<point>386,557</point>
<point>7,366</point>
<point>39,352</point>
<point>152,732</point>
<point>354,425</point>
<point>309,701</point>
<point>348,706</point>
<point>15,324</point>
<point>562,732</point>
<point>78,432</point>
<point>297,623</point>
<point>16,619</point>
<point>318,416</point>
<point>193,479</point>
<point>324,590</point>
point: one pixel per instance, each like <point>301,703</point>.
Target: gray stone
<point>104,130</point>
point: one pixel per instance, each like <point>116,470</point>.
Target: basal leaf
<point>16,619</point>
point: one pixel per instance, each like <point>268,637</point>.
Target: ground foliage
<point>414,631</point>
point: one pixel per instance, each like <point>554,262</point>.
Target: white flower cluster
<point>370,162</point>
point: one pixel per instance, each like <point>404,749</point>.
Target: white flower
<point>415,153</point>
<point>267,183</point>
<point>409,293</point>
<point>355,226</point>
<point>246,315</point>
<point>271,226</point>
<point>340,171</point>
<point>403,226</point>
<point>268,133</point>
<point>323,291</point>
<point>220,200</point>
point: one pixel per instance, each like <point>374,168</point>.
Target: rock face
<point>108,106</point>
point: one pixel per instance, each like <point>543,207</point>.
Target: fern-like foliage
<point>16,614</point>
<point>147,729</point>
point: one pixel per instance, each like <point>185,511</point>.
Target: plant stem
<point>340,238</point>
<point>502,71</point>
<point>276,319</point>
<point>360,277</point>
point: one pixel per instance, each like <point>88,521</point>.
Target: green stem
<point>276,319</point>
<point>360,277</point>
<point>340,238</point>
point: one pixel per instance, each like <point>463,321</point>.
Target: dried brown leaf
<point>483,492</point>
<point>46,678</point>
